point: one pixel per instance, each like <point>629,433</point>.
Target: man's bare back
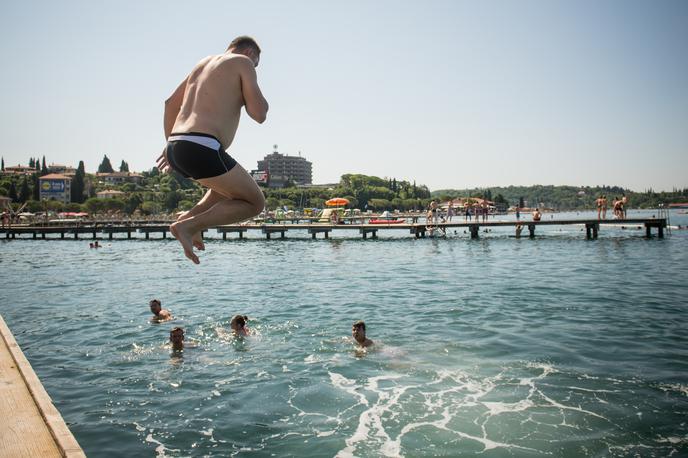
<point>214,96</point>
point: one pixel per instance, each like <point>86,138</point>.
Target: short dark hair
<point>240,320</point>
<point>175,330</point>
<point>155,300</point>
<point>360,324</point>
<point>244,42</point>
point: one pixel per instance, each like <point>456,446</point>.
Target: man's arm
<point>172,106</point>
<point>256,105</point>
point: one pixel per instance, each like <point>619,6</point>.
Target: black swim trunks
<point>196,155</point>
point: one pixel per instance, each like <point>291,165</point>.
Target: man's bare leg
<point>207,201</point>
<point>242,199</point>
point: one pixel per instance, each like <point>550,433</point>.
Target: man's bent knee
<point>258,203</point>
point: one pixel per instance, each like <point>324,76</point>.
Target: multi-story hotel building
<point>293,168</point>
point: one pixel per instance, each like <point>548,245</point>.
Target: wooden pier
<point>117,230</point>
<point>30,425</point>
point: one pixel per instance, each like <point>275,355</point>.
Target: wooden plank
<point>30,425</point>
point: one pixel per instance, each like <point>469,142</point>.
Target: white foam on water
<point>160,449</point>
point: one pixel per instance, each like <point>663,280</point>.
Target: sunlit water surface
<point>556,346</point>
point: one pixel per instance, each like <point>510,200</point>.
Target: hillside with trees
<point>169,193</point>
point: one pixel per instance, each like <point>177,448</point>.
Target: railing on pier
<point>592,228</point>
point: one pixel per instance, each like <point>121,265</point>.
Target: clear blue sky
<point>452,94</point>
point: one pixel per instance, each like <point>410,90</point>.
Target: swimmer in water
<point>177,339</point>
<point>358,332</point>
<point>238,325</point>
<point>159,314</point>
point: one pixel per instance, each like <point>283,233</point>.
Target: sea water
<point>553,346</point>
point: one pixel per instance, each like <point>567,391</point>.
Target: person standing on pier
<point>200,121</point>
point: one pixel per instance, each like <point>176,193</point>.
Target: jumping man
<point>201,119</point>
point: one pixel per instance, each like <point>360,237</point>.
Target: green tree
<point>37,166</point>
<point>124,167</point>
<point>2,167</point>
<point>78,184</point>
<point>36,190</point>
<point>44,168</point>
<point>12,194</point>
<point>105,166</point>
<point>32,163</point>
<point>24,191</point>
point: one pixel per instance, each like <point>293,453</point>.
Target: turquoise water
<point>495,347</point>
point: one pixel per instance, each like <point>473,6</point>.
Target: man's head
<point>358,331</point>
<point>177,337</point>
<point>247,46</point>
<point>238,322</point>
<point>155,306</point>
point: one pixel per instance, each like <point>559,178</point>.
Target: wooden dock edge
<point>64,439</point>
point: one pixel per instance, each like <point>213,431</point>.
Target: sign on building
<point>52,186</point>
<point>260,176</point>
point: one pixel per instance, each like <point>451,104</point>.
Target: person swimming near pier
<point>159,314</point>
<point>200,121</point>
<point>358,332</point>
<point>238,325</point>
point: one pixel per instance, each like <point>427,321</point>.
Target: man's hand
<point>163,164</point>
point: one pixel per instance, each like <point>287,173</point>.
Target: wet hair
<point>244,42</point>
<point>240,320</point>
<point>175,330</point>
<point>360,324</point>
<point>155,300</point>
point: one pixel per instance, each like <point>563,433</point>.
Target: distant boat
<point>679,205</point>
<point>386,218</point>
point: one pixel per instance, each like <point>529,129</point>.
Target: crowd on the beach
<point>239,327</point>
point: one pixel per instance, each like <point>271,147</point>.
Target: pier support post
<point>648,231</point>
<point>35,235</point>
<point>531,230</point>
<point>475,230</point>
<point>588,229</point>
<point>313,235</point>
<point>147,235</point>
<point>327,234</point>
<point>62,235</point>
<point>43,235</point>
<point>224,235</point>
<point>164,234</point>
<point>595,228</point>
<point>76,234</point>
<point>129,235</point>
<point>110,236</point>
<point>660,231</point>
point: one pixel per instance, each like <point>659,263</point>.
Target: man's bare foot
<point>185,238</point>
<point>197,239</point>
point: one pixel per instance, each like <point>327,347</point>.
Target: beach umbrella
<point>337,202</point>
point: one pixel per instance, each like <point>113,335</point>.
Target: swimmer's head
<point>358,331</point>
<point>177,337</point>
<point>155,306</point>
<point>238,322</point>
